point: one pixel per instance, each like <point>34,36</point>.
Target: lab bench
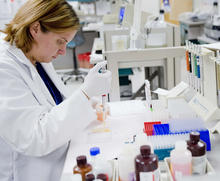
<point>123,126</point>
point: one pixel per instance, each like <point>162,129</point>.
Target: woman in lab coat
<point>38,117</point>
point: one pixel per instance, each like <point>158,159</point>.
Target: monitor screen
<point>121,14</point>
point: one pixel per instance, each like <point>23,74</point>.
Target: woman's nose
<point>62,51</point>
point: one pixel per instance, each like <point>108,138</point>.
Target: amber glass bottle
<point>146,165</point>
<point>102,177</point>
<point>82,167</point>
<point>198,150</point>
<point>90,177</point>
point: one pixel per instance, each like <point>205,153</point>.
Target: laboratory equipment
<point>218,75</point>
<point>198,150</point>
<point>156,31</point>
<point>135,29</point>
<point>121,14</point>
<point>212,25</point>
<point>180,161</point>
<point>148,95</point>
<point>210,173</point>
<point>104,97</point>
<point>203,81</point>
<point>147,58</point>
<point>190,30</point>
<point>146,165</point>
<point>149,127</point>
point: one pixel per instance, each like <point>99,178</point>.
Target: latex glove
<point>96,83</point>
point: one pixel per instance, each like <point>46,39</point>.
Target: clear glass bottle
<point>99,164</point>
<point>198,150</point>
<point>82,167</point>
<point>146,165</point>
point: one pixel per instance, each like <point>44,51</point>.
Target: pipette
<point>188,61</point>
<point>148,94</point>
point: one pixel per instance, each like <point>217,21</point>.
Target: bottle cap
<point>161,11</point>
<point>102,176</point>
<point>81,160</point>
<point>94,151</point>
<point>145,150</point>
<point>180,145</point>
<point>195,136</point>
<point>89,177</point>
<point>215,3</point>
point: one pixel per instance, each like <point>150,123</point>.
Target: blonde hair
<point>53,15</point>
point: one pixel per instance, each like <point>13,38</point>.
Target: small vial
<point>82,166</point>
<point>198,150</point>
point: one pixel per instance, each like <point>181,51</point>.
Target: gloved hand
<point>96,83</point>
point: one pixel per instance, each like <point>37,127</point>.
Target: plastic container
<point>149,127</point>
<point>82,167</point>
<point>181,161</point>
<point>99,164</point>
<point>146,165</point>
<point>153,37</point>
<point>99,111</point>
<point>198,150</point>
<point>126,163</point>
<point>209,170</point>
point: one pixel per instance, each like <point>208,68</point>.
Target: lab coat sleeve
<point>34,129</point>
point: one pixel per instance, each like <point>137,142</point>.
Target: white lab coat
<point>34,132</point>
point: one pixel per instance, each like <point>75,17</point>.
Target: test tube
<point>104,97</point>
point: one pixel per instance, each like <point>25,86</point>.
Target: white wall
<point>151,6</point>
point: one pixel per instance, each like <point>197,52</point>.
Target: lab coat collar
<point>48,67</point>
<point>17,52</point>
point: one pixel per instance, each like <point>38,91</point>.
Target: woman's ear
<point>35,29</point>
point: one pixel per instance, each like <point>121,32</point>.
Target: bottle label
<point>131,176</point>
<point>199,165</point>
<point>150,176</point>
